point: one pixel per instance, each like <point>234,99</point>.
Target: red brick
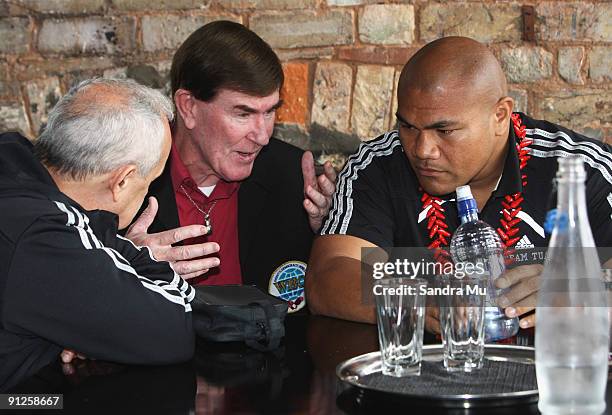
<point>294,94</point>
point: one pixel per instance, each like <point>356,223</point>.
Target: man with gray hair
<point>67,280</point>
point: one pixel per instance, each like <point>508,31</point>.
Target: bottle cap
<point>464,192</point>
<point>465,201</point>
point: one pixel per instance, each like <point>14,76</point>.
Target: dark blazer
<point>272,223</point>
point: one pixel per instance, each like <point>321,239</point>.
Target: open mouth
<point>247,157</point>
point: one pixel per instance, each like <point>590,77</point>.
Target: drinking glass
<point>400,311</point>
<point>462,306</point>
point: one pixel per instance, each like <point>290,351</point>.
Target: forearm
<point>335,289</point>
<point>127,325</point>
<point>92,301</point>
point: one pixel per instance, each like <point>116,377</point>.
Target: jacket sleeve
<point>64,285</point>
<point>361,204</point>
<point>599,207</point>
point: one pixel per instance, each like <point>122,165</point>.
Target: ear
<point>185,107</point>
<point>503,111</point>
<point>121,180</point>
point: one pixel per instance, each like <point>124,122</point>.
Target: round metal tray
<point>353,371</point>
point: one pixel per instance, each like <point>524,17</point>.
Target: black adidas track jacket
<point>67,280</point>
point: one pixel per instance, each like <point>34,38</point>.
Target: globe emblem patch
<point>287,283</point>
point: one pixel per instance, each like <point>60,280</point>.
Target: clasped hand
<point>522,283</point>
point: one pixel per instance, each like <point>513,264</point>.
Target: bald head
<point>104,123</point>
<point>102,96</point>
<point>454,115</point>
<point>452,64</point>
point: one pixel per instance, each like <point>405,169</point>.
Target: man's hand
<point>67,356</point>
<point>186,260</point>
<point>523,282</point>
<point>318,191</point>
<point>78,367</point>
<point>70,361</point>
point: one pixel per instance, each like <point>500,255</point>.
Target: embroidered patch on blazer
<point>287,282</point>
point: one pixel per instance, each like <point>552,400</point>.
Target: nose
<point>426,147</point>
<point>261,129</point>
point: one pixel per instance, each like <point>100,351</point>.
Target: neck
<point>484,183</point>
<point>192,157</point>
<point>85,194</point>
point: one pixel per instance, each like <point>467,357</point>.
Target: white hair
<point>88,134</point>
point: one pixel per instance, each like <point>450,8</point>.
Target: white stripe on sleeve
<point>344,189</point>
<point>169,291</point>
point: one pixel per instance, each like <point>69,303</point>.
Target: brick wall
<point>341,57</point>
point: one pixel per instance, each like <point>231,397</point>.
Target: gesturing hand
<point>186,259</point>
<point>318,191</point>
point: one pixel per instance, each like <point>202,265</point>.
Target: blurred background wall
<point>341,57</point>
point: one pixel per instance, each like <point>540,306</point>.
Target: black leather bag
<point>230,313</point>
<point>235,364</point>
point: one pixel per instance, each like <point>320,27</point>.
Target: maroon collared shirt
<point>223,218</point>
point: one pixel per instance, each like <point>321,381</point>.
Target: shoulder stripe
<point>573,149</point>
<point>68,213</point>
<point>95,240</point>
<point>561,153</point>
<point>342,206</point>
<point>551,136</point>
<point>561,144</point>
<point>561,139</point>
<point>349,193</point>
<point>72,221</point>
<point>80,222</point>
<point>85,220</point>
<point>337,203</point>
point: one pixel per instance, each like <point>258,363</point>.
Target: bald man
<point>67,281</point>
<point>456,127</point>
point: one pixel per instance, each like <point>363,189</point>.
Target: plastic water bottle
<point>476,242</point>
<point>571,336</point>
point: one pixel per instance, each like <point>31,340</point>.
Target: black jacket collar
<point>20,170</point>
<point>252,196</point>
<point>510,182</point>
<point>162,189</point>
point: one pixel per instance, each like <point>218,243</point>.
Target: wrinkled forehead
<point>231,98</point>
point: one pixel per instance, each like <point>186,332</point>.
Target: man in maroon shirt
<point>225,83</point>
